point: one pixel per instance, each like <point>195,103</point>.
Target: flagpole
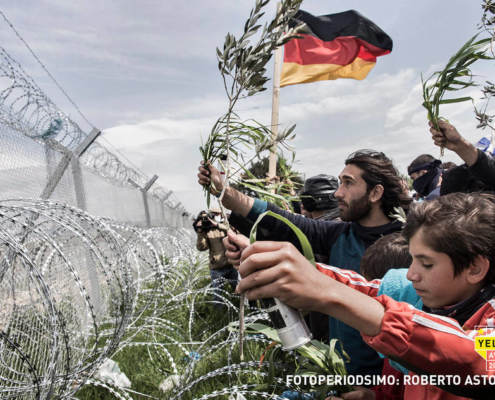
<point>272,164</point>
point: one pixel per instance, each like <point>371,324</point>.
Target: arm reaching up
<point>479,164</point>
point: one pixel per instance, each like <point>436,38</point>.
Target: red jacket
<point>428,344</point>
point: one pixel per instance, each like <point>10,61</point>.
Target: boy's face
<point>432,275</point>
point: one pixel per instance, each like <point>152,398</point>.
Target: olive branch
<point>243,71</point>
<point>488,25</point>
<point>242,67</point>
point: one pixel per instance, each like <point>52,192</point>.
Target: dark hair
<point>378,169</point>
<point>447,165</point>
<point>389,252</point>
<point>422,159</point>
<point>460,225</point>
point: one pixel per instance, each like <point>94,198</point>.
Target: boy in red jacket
<point>452,243</point>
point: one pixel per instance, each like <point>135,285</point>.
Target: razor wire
<point>25,110</point>
<point>71,287</point>
<point>76,289</point>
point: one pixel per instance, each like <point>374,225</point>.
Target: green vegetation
<point>242,66</point>
<point>457,74</point>
<point>183,334</point>
<point>254,181</point>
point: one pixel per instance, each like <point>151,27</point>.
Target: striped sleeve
<point>434,344</point>
<point>351,279</point>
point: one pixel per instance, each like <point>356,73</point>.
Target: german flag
<point>343,45</point>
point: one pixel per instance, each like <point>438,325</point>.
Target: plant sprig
<point>242,136</point>
<point>243,71</point>
<point>488,25</point>
<point>318,359</point>
<point>242,67</point>
<point>454,77</point>
<point>280,191</point>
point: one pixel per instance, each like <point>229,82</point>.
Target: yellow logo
<point>484,345</point>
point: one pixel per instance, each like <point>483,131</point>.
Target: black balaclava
<point>426,183</point>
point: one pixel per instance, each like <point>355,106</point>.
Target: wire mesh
<point>71,286</point>
<point>78,276</point>
<point>39,149</point>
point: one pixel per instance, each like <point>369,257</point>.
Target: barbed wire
<point>25,109</point>
<point>46,70</point>
<point>65,93</point>
<point>71,286</point>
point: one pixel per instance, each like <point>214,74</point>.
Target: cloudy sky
<point>145,73</point>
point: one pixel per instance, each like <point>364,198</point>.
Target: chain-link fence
<point>44,154</point>
<point>77,271</point>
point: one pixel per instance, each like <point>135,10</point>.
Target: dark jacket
<point>484,169</point>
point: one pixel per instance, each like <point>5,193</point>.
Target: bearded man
<point>370,190</point>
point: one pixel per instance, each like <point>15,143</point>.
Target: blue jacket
<point>344,243</point>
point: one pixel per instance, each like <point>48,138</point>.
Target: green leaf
<point>458,100</point>
<point>303,240</point>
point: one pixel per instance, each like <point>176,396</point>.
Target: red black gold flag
<point>343,45</point>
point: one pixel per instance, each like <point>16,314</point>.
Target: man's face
<point>432,276</point>
<point>354,201</point>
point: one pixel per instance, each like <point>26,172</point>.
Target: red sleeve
<point>429,342</point>
<point>351,279</point>
<point>386,391</point>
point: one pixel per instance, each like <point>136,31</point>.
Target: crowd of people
<point>405,299</point>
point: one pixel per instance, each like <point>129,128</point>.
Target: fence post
<point>79,184</point>
<point>144,192</point>
<point>145,199</point>
<point>70,158</point>
<point>167,195</point>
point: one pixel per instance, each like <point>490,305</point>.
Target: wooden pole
<point>272,165</point>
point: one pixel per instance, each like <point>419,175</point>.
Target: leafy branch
<point>229,132</point>
<point>319,359</point>
<point>242,67</point>
<point>280,190</point>
<point>454,77</point>
<point>243,71</point>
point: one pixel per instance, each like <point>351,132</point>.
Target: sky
<point>145,73</point>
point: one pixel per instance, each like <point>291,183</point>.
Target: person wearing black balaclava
<point>426,174</point>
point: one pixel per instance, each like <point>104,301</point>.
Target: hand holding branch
<point>449,138</point>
